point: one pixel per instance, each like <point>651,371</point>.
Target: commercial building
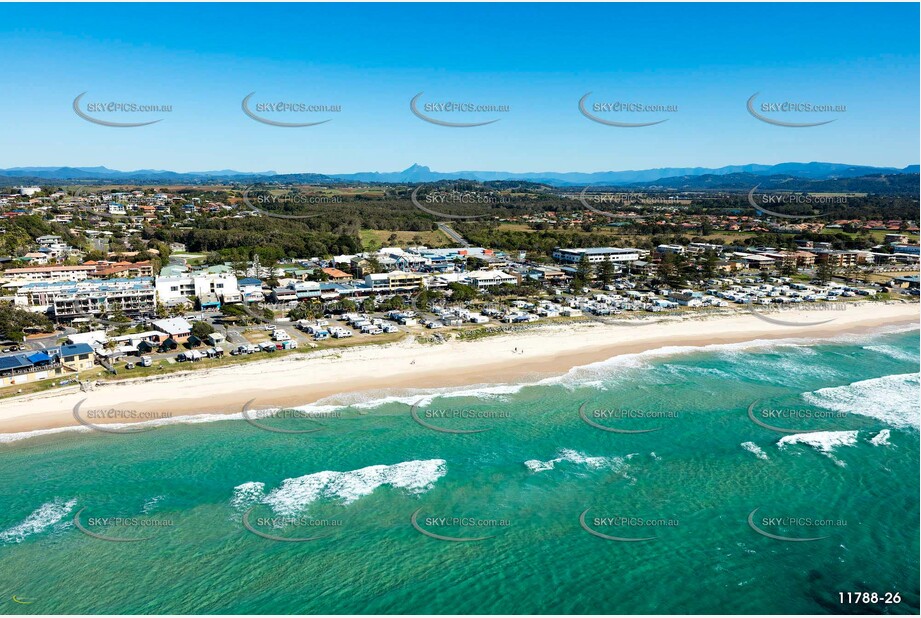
<point>596,255</point>
<point>394,281</point>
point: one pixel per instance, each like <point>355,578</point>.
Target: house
<point>64,361</point>
<point>176,329</point>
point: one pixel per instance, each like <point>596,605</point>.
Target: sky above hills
<point>706,61</point>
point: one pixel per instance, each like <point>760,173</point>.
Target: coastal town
<point>92,290</point>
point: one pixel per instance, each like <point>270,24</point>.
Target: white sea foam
<point>247,494</point>
<point>823,441</point>
<point>893,352</point>
<point>892,399</point>
<point>151,504</point>
<point>295,494</point>
<point>881,439</point>
<point>577,458</point>
<point>751,447</point>
<point>41,519</point>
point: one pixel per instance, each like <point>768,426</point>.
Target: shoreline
<point>547,350</point>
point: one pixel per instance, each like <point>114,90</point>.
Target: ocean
<point>770,477</point>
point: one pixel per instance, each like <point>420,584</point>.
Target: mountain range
<point>666,177</point>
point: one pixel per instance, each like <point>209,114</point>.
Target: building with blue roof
<point>61,362</point>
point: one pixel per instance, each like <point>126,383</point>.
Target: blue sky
<point>538,59</point>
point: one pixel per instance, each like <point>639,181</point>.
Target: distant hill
<point>814,170</point>
<point>695,178</point>
<point>106,174</point>
<point>880,184</point>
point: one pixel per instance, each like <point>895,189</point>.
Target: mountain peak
<point>415,167</point>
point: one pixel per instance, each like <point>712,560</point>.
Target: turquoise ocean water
<point>706,488</point>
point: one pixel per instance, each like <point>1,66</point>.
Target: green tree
<point>825,271</point>
<point>461,292</point>
<point>708,265</point>
<point>583,274</point>
<point>201,329</point>
<point>606,272</point>
<point>14,322</point>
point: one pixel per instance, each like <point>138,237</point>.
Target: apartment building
<point>209,288</point>
<point>50,273</point>
<point>66,300</point>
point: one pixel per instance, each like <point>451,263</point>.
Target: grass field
<point>375,239</point>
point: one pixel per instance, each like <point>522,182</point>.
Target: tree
<point>201,329</point>
<point>14,322</point>
<point>708,266</point>
<point>583,272</point>
<point>788,268</point>
<point>461,292</point>
<point>671,270</point>
<point>121,321</point>
<point>606,272</point>
<point>825,271</point>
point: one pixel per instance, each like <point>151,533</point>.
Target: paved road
<point>452,234</point>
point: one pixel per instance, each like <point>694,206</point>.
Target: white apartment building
<point>222,286</point>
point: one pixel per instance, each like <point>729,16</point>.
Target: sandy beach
<point>542,351</point>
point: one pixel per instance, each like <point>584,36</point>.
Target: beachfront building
<point>67,300</point>
<point>177,329</point>
<point>63,361</point>
<point>596,255</point>
<point>211,289</point>
<point>394,281</point>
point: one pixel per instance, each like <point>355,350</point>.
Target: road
<point>453,235</point>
